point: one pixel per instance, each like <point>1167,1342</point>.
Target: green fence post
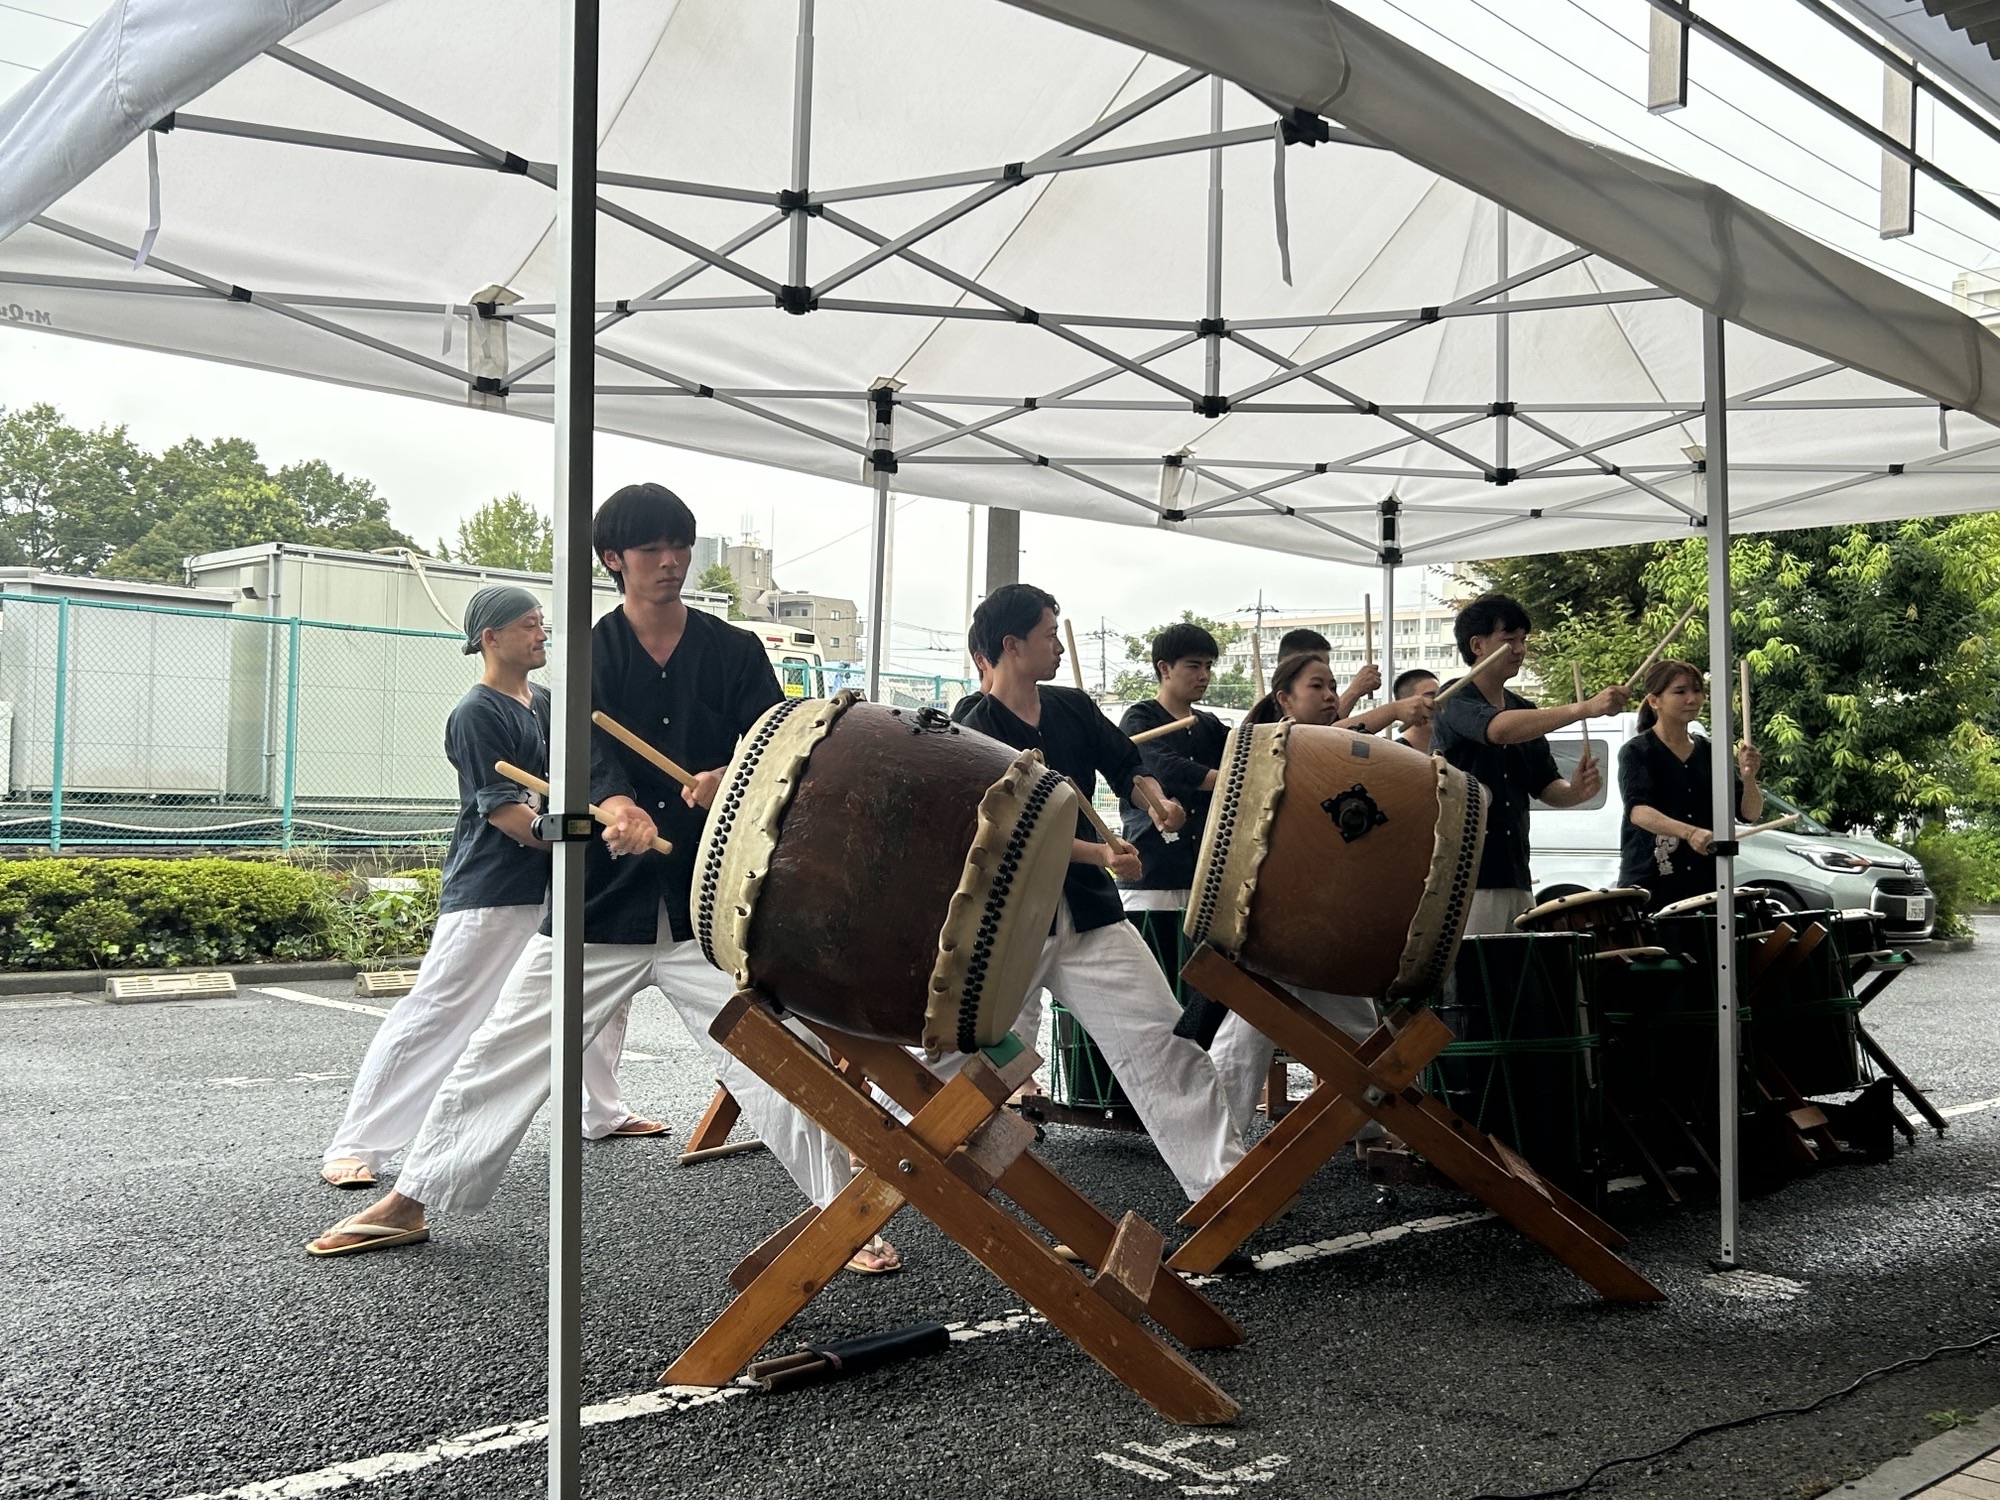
<point>291,729</point>
<point>62,725</point>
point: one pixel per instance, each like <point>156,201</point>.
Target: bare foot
<point>391,1209</point>
<point>876,1258</point>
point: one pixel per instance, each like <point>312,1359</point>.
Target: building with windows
<point>837,622</point>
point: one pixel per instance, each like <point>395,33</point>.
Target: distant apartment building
<point>834,620</point>
<point>1423,639</point>
<point>748,563</point>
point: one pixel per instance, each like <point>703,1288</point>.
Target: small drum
<point>885,872</point>
<point>1861,934</point>
<point>1337,861</point>
<point>1616,917</point>
<point>1757,910</point>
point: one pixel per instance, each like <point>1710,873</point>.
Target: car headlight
<point>1838,860</point>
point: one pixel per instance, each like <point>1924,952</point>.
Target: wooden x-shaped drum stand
<point>1376,1079</point>
<point>961,1144</point>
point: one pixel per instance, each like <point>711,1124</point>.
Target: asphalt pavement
<point>164,1334</point>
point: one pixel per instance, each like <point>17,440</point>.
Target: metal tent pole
<point>1715,393</point>
<point>881,540</point>
<point>1391,553</point>
<point>569,742</point>
<point>802,82</point>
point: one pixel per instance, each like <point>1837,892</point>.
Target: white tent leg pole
<point>881,542</point>
<point>569,747</point>
<point>1212,354</point>
<point>802,84</point>
<point>1391,553</point>
<point>1720,675</point>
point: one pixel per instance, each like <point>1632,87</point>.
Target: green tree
<point>69,499</point>
<point>233,511</point>
<point>1872,649</point>
<point>719,580</point>
<point>339,511</point>
<point>506,532</point>
<point>1231,689</point>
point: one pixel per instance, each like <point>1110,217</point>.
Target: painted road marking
<point>1753,1286</point>
<point>363,1471</point>
<point>1952,1112</point>
<point>1174,1452</point>
<point>302,998</point>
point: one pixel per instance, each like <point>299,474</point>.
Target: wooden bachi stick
<point>1163,730</point>
<point>1117,843</point>
<point>1576,673</point>
<point>1665,641</point>
<point>1767,827</point>
<point>1743,677</point>
<point>1075,661</point>
<point>1485,665</point>
<point>535,783</point>
<point>632,741</point>
<point>1367,627</point>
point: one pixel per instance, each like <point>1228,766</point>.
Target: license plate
<point>1913,908</point>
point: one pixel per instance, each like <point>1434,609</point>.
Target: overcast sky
<point>1577,62</point>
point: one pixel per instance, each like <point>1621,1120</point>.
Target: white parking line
<point>302,998</point>
<point>679,1398</point>
<point>1952,1112</point>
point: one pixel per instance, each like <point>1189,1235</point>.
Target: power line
<point>42,15</point>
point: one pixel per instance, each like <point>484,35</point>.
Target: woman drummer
<point>1303,692</point>
<point>1664,774</point>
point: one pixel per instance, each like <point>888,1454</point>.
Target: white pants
<point>1109,981</point>
<point>1242,1054</point>
<point>414,1048</point>
<point>1494,908</point>
<point>492,1096</point>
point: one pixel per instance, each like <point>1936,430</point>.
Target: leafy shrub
<point>1963,868</point>
<point>81,913</point>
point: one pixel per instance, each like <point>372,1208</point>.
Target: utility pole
<point>1259,609</point>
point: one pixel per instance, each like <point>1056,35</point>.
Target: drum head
<point>1580,902</point>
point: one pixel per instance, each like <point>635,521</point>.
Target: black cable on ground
<point>1685,1438</point>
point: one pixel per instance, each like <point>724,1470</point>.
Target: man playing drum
<point>691,685</point>
<point>490,901</point>
<point>1095,961</point>
<point>1499,738</point>
<point>1304,642</point>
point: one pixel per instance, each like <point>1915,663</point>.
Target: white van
<point>1807,866</point>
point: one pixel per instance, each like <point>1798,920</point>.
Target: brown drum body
<point>1615,917</point>
<point>883,871</point>
<point>1337,861</point>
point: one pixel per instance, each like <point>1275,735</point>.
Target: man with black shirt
<point>1094,961</point>
<point>1418,682</point>
<point>1499,739</point>
<point>691,685</point>
<point>490,901</point>
<point>1185,764</point>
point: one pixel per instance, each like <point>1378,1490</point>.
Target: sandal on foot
<point>346,1172</point>
<point>379,1237</point>
<point>876,1258</point>
<point>634,1125</point>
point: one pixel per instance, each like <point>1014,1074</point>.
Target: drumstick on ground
<point>1161,731</point>
<point>1665,641</point>
<point>632,741</point>
<point>1743,676</point>
<point>535,783</point>
<point>1485,665</point>
<point>1075,661</point>
<point>1743,833</point>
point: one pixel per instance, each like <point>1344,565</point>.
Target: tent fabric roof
<point>1010,216</point>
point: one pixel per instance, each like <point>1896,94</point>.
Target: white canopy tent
<point>957,249</point>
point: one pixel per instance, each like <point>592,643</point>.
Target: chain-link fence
<point>149,725</point>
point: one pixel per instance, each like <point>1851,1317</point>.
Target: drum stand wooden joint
<point>1376,1079</point>
<point>960,1145</point>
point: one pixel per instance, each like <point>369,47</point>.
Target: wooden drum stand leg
<point>1375,1080</point>
<point>958,1146</point>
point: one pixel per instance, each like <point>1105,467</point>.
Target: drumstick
<point>1367,627</point>
<point>1742,833</point>
<point>1665,641</point>
<point>1156,808</point>
<point>1257,660</point>
<point>1163,730</point>
<point>1576,674</point>
<point>535,784</point>
<point>626,737</point>
<point>1743,676</point>
<point>1118,845</point>
<point>1473,675</point>
<point>1075,661</point>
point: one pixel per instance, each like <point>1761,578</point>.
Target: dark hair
<point>1407,680</point>
<point>1309,642</point>
<point>1266,710</point>
<point>1663,676</point>
<point>1012,609</point>
<point>1184,639</point>
<point>641,515</point>
<point>1483,616</point>
<point>972,645</point>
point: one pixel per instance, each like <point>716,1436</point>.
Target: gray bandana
<point>493,608</point>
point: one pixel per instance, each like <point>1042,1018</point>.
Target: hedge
<point>81,913</point>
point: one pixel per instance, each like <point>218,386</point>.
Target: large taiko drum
<point>1337,861</point>
<point>883,870</point>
